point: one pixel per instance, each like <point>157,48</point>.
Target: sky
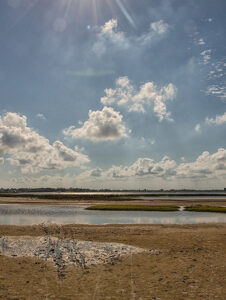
<point>120,94</point>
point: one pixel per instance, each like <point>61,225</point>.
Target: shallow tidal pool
<point>16,214</point>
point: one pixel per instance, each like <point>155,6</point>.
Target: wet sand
<point>190,264</point>
<point>87,200</point>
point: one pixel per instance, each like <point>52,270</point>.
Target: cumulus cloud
<point>144,167</point>
<point>105,125</point>
<point>109,36</point>
<point>110,26</point>
<point>206,166</point>
<point>220,119</point>
<point>95,174</point>
<point>125,94</point>
<point>31,151</point>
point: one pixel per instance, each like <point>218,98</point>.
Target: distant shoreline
<point>101,199</point>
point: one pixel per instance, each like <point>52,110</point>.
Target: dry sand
<point>190,264</point>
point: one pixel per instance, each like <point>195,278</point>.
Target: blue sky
<point>113,93</point>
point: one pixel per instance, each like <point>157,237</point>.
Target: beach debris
<point>63,252</point>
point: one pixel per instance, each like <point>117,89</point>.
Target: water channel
<point>17,214</point>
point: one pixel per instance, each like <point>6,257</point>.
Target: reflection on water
<point>11,214</point>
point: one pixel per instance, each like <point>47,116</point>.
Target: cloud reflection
<point>30,215</point>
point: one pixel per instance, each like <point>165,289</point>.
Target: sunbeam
<point>94,6</point>
<point>125,13</point>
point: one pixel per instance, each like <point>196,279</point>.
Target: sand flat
<point>190,264</point>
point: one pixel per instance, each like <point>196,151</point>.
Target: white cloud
<point>143,172</point>
<point>125,94</point>
<point>206,55</point>
<point>144,167</point>
<point>31,151</point>
<point>41,116</point>
<point>159,27</point>
<point>220,119</point>
<point>110,26</point>
<point>95,174</point>
<point>206,166</point>
<point>201,42</point>
<point>214,67</point>
<point>198,128</point>
<point>217,90</point>
<point>109,36</point>
<point>105,125</point>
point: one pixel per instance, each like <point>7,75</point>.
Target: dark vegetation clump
<point>205,208</point>
<point>134,207</point>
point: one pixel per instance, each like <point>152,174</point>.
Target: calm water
<point>11,214</point>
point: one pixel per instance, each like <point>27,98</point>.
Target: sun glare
<point>95,6</point>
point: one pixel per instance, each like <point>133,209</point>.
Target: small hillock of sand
<point>63,252</point>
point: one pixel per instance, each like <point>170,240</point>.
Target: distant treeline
<point>80,190</point>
